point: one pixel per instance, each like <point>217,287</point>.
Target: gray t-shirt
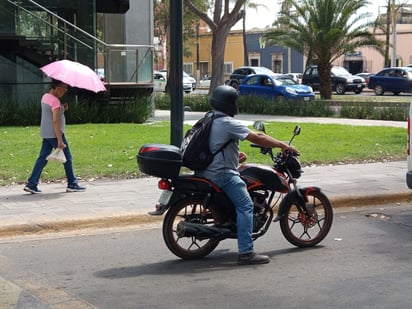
<point>49,103</point>
<point>226,161</point>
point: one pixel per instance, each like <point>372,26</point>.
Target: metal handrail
<point>49,24</point>
<point>66,22</point>
<point>16,4</point>
<point>106,48</point>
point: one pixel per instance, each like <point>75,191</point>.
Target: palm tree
<point>323,30</point>
<point>250,5</point>
<point>392,9</point>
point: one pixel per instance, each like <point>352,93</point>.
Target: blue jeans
<point>46,148</point>
<point>235,189</point>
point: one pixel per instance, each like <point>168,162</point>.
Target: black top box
<point>160,160</point>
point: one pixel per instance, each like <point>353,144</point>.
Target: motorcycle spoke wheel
<point>304,230</point>
<point>192,247</point>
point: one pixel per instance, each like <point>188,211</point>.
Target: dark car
<point>279,88</point>
<point>395,80</point>
<point>365,76</point>
<point>238,75</point>
<point>342,80</point>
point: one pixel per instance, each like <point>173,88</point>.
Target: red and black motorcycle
<point>198,214</point>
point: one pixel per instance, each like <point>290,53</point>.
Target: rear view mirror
<point>296,131</point>
<point>259,125</point>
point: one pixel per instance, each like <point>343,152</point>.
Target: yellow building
<point>201,53</point>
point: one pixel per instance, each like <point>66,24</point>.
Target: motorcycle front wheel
<point>189,210</point>
<point>307,230</point>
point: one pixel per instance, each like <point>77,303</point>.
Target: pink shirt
<point>48,104</point>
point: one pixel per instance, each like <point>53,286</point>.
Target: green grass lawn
<point>109,150</point>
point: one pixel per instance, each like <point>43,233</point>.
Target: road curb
<point>368,200</point>
<point>77,224</point>
<point>140,218</point>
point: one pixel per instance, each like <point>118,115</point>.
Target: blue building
<point>278,59</point>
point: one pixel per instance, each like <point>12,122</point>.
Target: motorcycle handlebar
<point>256,146</point>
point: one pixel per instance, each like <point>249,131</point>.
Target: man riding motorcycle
<point>223,171</point>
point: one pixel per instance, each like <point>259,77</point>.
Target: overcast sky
<point>264,17</point>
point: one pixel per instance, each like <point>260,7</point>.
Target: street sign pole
<point>176,72</point>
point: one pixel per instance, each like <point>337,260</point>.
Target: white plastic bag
<point>57,155</point>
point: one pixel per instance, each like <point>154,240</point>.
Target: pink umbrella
<point>74,74</point>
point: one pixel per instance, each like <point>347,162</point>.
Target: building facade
<point>102,34</point>
<point>199,63</point>
<point>276,58</point>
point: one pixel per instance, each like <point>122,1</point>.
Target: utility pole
<point>393,17</point>
<point>176,72</point>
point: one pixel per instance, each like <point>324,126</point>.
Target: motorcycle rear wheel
<point>191,210</point>
<point>307,231</point>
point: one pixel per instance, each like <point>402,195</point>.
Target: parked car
<point>238,75</point>
<point>280,88</point>
<point>342,80</point>
<point>365,76</point>
<point>205,81</point>
<point>395,80</point>
<point>297,77</point>
<point>160,82</point>
<point>190,79</point>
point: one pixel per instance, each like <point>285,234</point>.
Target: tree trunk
<point>387,33</point>
<point>218,55</point>
<point>325,87</point>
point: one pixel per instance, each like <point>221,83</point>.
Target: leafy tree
<point>162,23</point>
<point>225,15</point>
<point>323,30</point>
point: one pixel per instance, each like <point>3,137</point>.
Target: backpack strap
<point>215,116</point>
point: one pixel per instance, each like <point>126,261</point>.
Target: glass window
<point>188,68</point>
<point>228,68</point>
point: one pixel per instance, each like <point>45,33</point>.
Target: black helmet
<point>224,99</point>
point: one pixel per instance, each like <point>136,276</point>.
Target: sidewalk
<point>124,202</point>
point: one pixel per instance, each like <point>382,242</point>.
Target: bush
<point>81,110</point>
<point>371,111</point>
<point>192,102</point>
<point>253,105</point>
<point>8,111</point>
<point>257,105</point>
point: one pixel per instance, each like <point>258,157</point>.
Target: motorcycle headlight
<point>294,166</point>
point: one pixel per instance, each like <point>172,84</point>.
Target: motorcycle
<point>199,215</point>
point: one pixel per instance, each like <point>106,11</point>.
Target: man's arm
<point>264,140</point>
<point>57,129</point>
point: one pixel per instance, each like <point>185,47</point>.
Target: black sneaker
<point>252,259</point>
<point>75,188</point>
<point>32,190</point>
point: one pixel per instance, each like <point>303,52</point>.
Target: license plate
<point>165,197</point>
<point>306,98</point>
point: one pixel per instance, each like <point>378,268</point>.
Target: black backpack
<point>196,153</point>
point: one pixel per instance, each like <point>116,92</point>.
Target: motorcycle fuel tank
<point>264,176</point>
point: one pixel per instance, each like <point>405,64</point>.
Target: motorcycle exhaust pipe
<point>188,229</point>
